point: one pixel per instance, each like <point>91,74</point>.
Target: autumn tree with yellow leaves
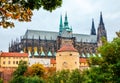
<point>21,10</point>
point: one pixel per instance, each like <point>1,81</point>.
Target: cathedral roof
<point>49,35</point>
<point>67,47</point>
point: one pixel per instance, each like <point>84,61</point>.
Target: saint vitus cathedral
<point>46,43</point>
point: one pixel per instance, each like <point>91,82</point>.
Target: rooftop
<point>67,47</point>
<point>13,54</point>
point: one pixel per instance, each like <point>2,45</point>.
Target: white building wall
<point>43,61</point>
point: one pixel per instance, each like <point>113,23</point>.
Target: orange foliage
<point>49,72</point>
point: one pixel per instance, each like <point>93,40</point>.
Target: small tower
<point>67,58</point>
<point>93,31</point>
<point>101,31</point>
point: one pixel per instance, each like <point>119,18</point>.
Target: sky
<point>80,14</point>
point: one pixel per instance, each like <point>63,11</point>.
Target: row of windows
<point>10,62</point>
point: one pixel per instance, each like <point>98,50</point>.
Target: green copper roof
<point>83,55</point>
<point>42,54</point>
<point>49,53</point>
<point>61,24</point>
<point>66,20</point>
<point>54,53</point>
<point>36,53</point>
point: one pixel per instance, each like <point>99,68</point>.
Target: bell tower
<point>101,32</point>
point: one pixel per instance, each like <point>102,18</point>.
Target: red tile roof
<point>83,60</point>
<point>52,61</point>
<point>13,54</point>
<point>67,47</point>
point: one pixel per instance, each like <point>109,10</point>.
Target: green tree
<point>19,79</point>
<point>108,65</point>
<point>21,10</point>
<point>59,77</point>
<point>22,67</point>
<point>34,79</point>
<point>76,77</point>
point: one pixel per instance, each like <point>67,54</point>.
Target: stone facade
<point>67,58</point>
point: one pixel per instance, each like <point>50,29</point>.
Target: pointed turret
<point>101,32</point>
<point>66,20</point>
<point>93,31</point>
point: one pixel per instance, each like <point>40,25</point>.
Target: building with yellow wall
<point>67,58</point>
<point>12,59</point>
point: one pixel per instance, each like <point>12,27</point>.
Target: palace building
<point>46,43</point>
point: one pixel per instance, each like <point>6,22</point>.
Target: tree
<point>25,74</point>
<point>76,77</point>
<point>49,71</point>
<point>34,79</point>
<point>21,10</point>
<point>66,76</point>
<point>59,77</point>
<point>35,70</point>
<point>22,67</point>
<point>108,65</point>
<point>19,79</point>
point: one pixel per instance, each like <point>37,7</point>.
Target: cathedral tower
<point>101,31</point>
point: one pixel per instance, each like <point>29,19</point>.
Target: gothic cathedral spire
<point>101,19</point>
<point>93,31</point>
<point>101,30</point>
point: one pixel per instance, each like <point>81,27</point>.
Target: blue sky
<point>80,14</point>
